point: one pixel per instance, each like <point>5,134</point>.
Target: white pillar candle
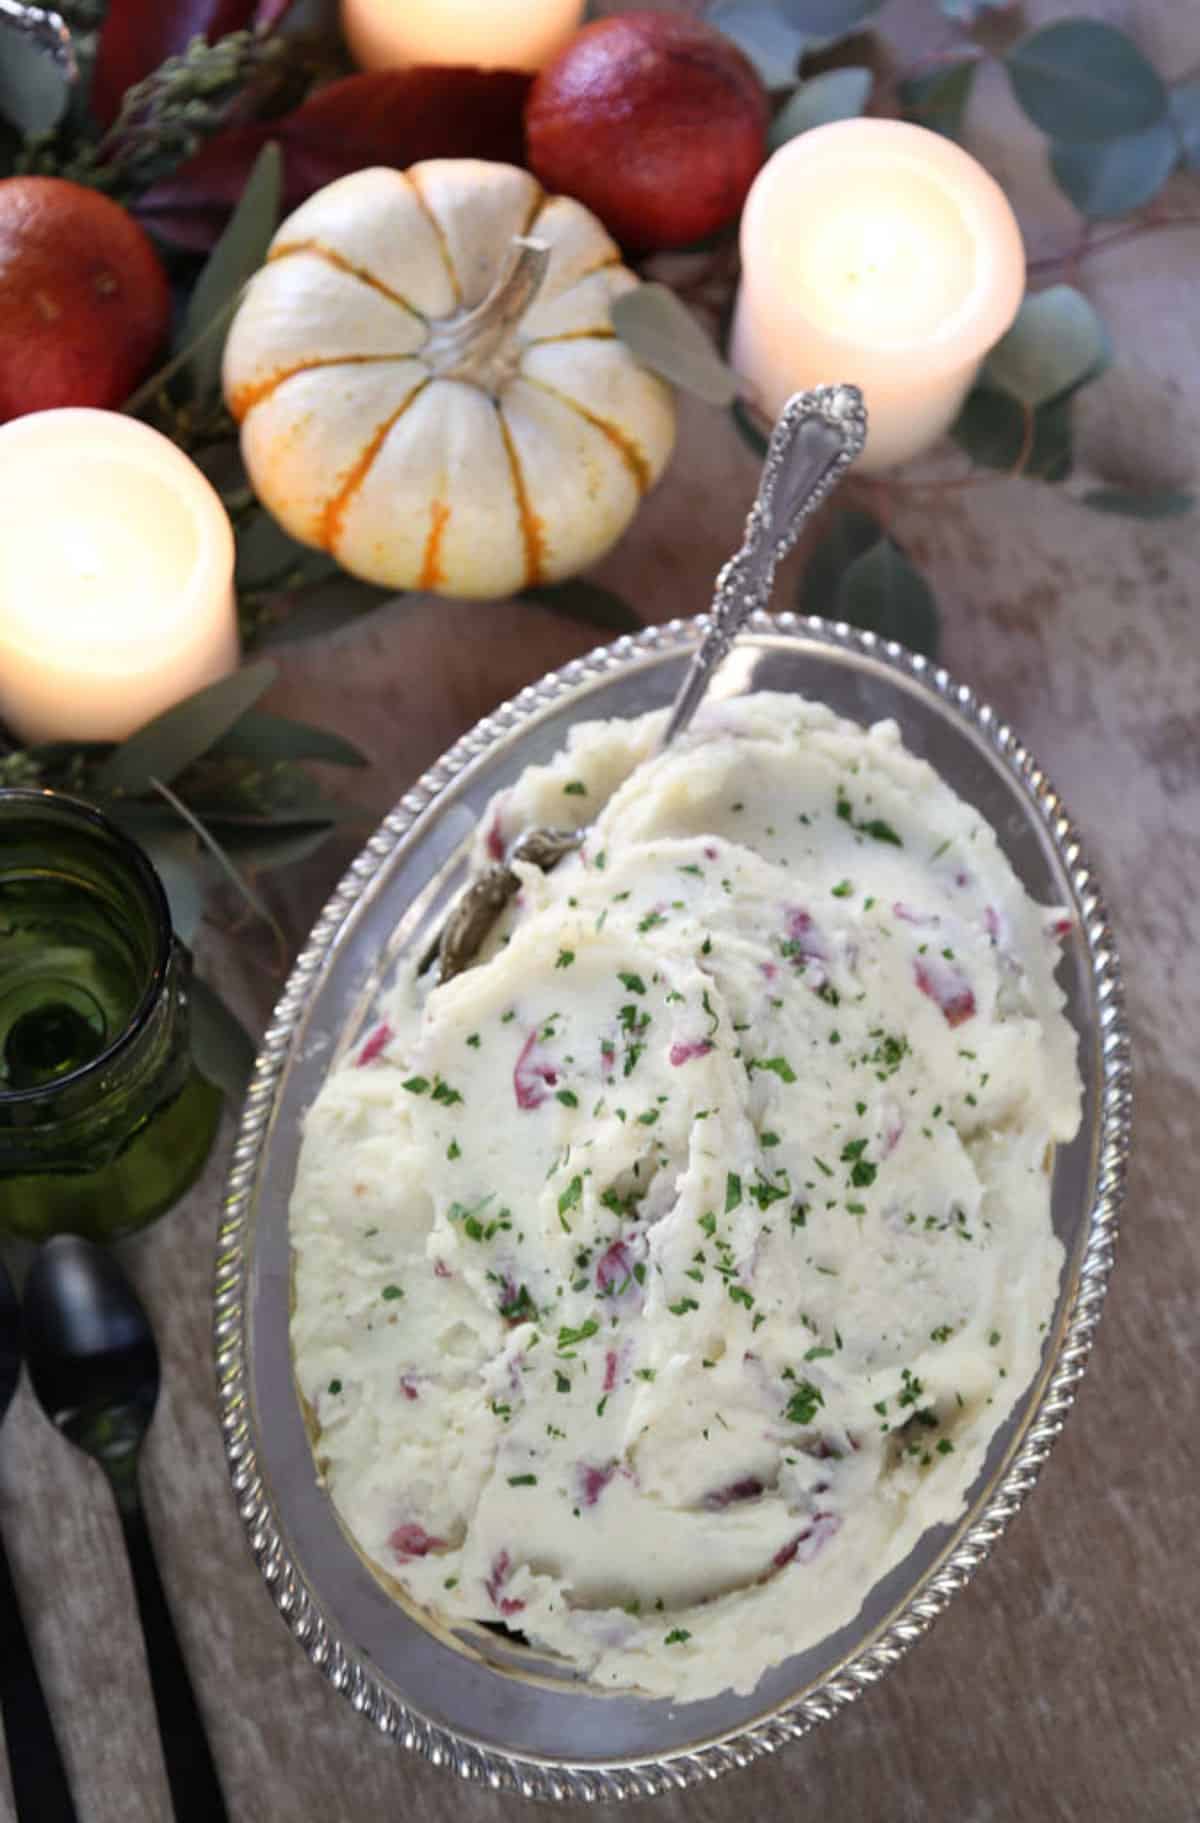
<point>116,576</point>
<point>880,253</point>
<point>490,34</point>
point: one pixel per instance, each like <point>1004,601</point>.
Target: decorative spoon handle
<point>195,1792</point>
<point>817,437</point>
<point>39,1780</point>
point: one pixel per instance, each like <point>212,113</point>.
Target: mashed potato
<point>661,1279</point>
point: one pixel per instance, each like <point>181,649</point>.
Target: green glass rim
<point>75,812</point>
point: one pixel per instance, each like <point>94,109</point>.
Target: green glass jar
<point>104,1119</point>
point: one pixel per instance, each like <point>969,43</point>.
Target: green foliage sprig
<point>1115,134</point>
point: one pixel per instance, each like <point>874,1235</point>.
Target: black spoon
<point>94,1365</point>
<point>35,1765</point>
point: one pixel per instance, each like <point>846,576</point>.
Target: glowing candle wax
<point>116,576</point>
<point>879,253</point>
<point>491,34</point>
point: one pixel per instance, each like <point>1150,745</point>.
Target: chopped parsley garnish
<point>444,1093</point>
<point>842,890</point>
<point>335,1387</point>
<point>391,1292</point>
<point>518,1306</point>
<point>570,1199</point>
<point>522,1481</point>
<point>942,1333</point>
<point>733,1191</point>
<point>765,1193</point>
<point>817,1354</point>
<point>453,1150</point>
<point>474,1041</point>
<point>568,1098</point>
<point>416,1085</point>
<point>645,1373</point>
<point>768,1139</point>
<point>993,1338</point>
<point>650,922</point>
<point>944,1446</point>
<point>779,1066</point>
<point>708,1223</point>
<point>632,983</point>
<point>740,1295</point>
<point>677,1636</point>
<point>575,788</point>
<point>567,1337</point>
<point>561,1383</point>
<point>682,1307</point>
<point>565,958</point>
<point>802,1407</point>
<point>875,827</point>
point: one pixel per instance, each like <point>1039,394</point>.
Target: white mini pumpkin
<point>437,407</point>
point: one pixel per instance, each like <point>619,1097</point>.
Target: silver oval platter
<point>473,1703</point>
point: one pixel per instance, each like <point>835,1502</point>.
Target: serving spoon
<point>94,1366</point>
<point>817,437</point>
<point>39,1781</point>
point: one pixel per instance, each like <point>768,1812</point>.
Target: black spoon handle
<point>39,1780</point>
<point>195,1791</point>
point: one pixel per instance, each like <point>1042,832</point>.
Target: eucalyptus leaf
<point>1165,503</point>
<point>773,46</point>
<point>151,387</point>
<point>969,12</point>
<point>836,95</point>
<point>258,735</point>
<point>175,858</point>
<point>1113,176</point>
<point>268,849</point>
<point>748,428</point>
<point>225,823</point>
<point>266,554</point>
<point>1082,80</point>
<point>328,609</point>
<point>828,19</point>
<point>1185,118</point>
<point>883,593</point>
<point>35,84</point>
<point>221,1047</point>
<point>239,252</point>
<point>215,850</point>
<point>664,336</point>
<point>174,740</point>
<point>850,535</point>
<point>1056,343</point>
<point>991,429</point>
<point>588,602</point>
<point>938,100</point>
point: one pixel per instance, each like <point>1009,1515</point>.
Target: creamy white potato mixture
<point>660,1280</point>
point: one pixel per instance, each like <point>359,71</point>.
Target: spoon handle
<point>195,1792</point>
<point>39,1780</point>
<point>817,436</point>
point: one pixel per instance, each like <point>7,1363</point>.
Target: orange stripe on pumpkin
<point>245,398</point>
<point>533,531</point>
<point>629,452</point>
<point>334,514</point>
<point>332,258</point>
<point>432,572</point>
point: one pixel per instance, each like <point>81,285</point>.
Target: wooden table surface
<point>1063,1684</point>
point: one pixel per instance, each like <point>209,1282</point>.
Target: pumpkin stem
<point>478,346</point>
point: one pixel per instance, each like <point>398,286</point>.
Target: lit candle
<point>879,253</point>
<point>116,576</point>
<point>491,34</point>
